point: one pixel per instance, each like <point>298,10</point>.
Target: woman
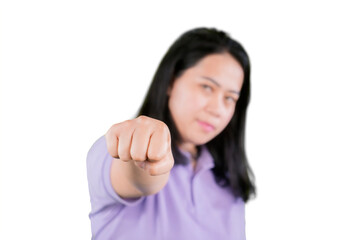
<point>179,170</point>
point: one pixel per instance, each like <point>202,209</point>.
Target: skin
<point>207,93</point>
<point>141,147</point>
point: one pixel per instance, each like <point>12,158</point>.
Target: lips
<point>206,126</point>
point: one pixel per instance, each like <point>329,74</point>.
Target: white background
<point>71,69</point>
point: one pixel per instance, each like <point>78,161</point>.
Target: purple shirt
<point>191,206</point>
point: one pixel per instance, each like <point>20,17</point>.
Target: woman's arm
<point>142,157</point>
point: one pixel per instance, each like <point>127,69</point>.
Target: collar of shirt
<point>204,161</point>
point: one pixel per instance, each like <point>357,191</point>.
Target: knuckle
<point>142,119</point>
<point>118,128</point>
<point>110,132</point>
<point>113,126</point>
<point>126,124</point>
<point>163,125</point>
<point>164,128</point>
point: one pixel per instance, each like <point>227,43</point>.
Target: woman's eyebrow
<point>217,84</point>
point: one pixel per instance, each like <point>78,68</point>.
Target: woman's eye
<point>206,87</point>
<point>231,99</point>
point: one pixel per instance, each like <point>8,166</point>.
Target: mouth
<point>206,126</point>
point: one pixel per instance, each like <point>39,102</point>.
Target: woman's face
<point>202,100</point>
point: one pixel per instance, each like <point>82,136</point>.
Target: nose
<point>215,105</point>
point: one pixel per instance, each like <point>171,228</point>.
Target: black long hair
<point>228,148</point>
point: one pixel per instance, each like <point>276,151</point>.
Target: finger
<point>125,139</point>
<point>159,144</point>
<point>159,167</point>
<point>112,142</point>
<point>140,143</point>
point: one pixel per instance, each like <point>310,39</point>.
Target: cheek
<point>179,107</point>
<point>228,117</point>
<point>187,102</point>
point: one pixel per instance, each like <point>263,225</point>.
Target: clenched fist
<point>144,140</point>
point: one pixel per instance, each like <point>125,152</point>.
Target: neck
<point>189,147</point>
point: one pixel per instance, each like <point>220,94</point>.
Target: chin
<point>203,141</point>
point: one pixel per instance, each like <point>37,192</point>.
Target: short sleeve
<point>101,191</point>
